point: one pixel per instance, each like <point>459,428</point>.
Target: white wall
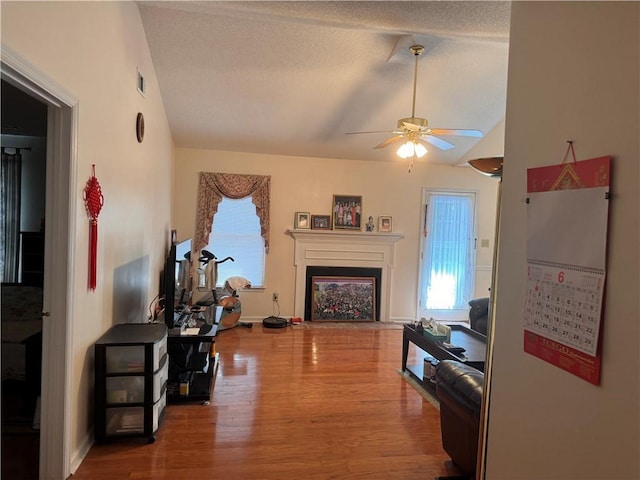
<point>573,74</point>
<point>308,184</point>
<point>92,50</point>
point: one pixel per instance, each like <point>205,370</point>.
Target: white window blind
<point>236,233</point>
<point>448,254</point>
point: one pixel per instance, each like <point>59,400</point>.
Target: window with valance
<point>212,187</point>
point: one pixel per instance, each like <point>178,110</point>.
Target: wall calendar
<point>567,215</point>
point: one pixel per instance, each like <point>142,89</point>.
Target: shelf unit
<point>131,374</point>
<point>193,364</point>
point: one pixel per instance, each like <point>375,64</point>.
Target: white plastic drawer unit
<point>125,359</point>
<point>130,389</point>
<point>130,420</point>
<point>125,390</point>
<point>131,358</point>
<point>131,372</point>
<point>125,420</point>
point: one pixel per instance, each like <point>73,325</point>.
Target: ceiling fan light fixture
<point>411,149</point>
<point>420,150</point>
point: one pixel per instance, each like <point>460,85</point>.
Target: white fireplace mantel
<point>336,248</point>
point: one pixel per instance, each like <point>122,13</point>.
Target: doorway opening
<point>22,214</point>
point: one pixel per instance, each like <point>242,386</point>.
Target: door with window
<point>447,255</point>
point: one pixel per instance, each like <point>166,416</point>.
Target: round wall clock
<point>140,127</point>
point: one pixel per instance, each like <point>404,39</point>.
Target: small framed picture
<point>346,210</point>
<point>302,220</point>
<point>320,222</point>
<point>385,224</point>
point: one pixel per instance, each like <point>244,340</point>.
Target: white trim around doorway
<point>59,278</point>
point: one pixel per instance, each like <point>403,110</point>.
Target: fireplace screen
<point>343,298</point>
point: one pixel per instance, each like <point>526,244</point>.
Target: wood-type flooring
<point>307,402</point>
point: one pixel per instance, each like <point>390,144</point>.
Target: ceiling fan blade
<point>374,131</point>
<point>438,142</point>
<point>389,141</point>
<point>453,131</point>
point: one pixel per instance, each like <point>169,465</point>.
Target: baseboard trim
<point>81,452</point>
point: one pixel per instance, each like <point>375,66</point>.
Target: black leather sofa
<point>459,388</point>
<point>479,314</point>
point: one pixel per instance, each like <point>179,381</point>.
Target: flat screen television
<point>177,288</point>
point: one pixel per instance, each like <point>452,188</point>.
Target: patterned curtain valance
<point>213,186</point>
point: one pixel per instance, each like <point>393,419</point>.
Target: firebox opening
<point>313,271</point>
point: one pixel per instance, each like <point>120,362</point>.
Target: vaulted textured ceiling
<point>293,78</point>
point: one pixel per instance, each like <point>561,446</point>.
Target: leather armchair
<point>459,388</point>
<point>479,314</point>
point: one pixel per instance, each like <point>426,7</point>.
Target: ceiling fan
<point>415,130</point>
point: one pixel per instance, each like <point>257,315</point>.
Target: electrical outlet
<point>275,296</point>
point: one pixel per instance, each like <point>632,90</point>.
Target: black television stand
<point>193,362</point>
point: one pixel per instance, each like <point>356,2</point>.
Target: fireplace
<point>344,249</point>
<point>342,272</point>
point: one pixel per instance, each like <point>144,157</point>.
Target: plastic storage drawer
<point>125,420</point>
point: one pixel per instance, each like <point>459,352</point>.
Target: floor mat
<point>420,389</point>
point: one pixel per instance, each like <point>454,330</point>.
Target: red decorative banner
<point>565,176</point>
<point>94,201</point>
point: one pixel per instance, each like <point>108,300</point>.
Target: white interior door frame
<point>59,278</point>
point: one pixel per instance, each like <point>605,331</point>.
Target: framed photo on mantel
<point>302,220</point>
<point>346,211</point>
<point>385,223</point>
<point>320,222</point>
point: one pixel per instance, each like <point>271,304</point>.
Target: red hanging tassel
<point>93,253</point>
<point>94,200</point>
